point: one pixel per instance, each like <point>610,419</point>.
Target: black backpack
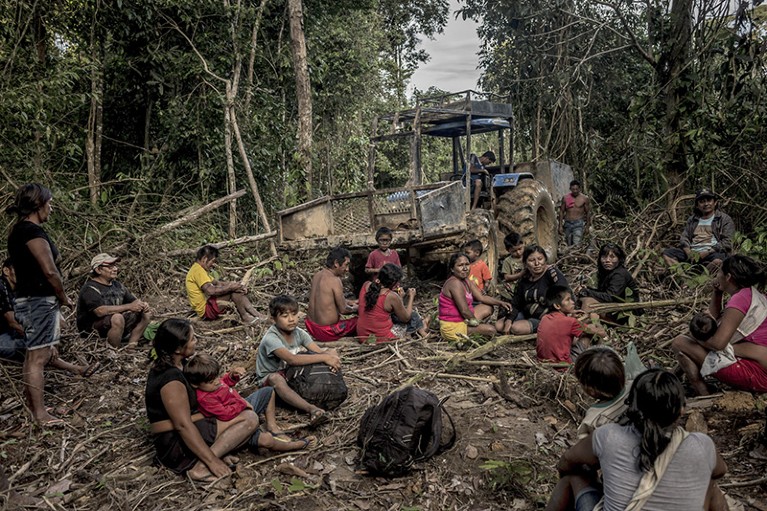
<point>404,428</point>
<point>318,385</point>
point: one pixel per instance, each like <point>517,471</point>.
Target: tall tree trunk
<point>231,179</point>
<point>303,90</point>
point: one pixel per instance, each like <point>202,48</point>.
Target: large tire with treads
<point>529,210</point>
<point>481,225</point>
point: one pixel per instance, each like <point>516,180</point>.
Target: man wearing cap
<point>107,307</point>
<point>707,237</point>
<point>476,171</point>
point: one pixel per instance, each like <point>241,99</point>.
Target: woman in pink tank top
<point>456,312</point>
<point>382,312</point>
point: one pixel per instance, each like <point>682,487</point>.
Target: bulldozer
<point>433,220</point>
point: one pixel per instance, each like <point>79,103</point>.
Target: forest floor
<point>508,439</point>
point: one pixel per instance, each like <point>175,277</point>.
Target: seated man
<point>204,292</point>
<point>107,307</point>
<point>12,345</point>
<point>707,237</point>
<point>476,171</point>
<point>327,302</point>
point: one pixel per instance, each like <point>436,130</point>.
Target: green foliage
<point>516,476</point>
<point>754,246</point>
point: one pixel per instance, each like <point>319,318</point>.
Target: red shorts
<point>745,374</point>
<point>327,333</point>
<point>211,309</point>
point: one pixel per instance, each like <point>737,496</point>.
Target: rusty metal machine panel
<point>442,211</point>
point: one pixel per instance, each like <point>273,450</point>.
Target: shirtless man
<point>574,215</point>
<point>476,171</point>
<point>327,302</point>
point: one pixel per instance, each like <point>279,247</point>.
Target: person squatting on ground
<point>281,347</point>
<point>477,171</point>
<point>383,313</point>
<point>105,306</point>
<point>603,377</point>
<point>204,292</point>
<point>707,236</point>
<point>383,254</point>
<point>558,330</point>
<point>736,354</point>
<point>479,273</point>
<point>529,298</point>
<point>457,314</point>
<point>327,303</point>
<point>39,291</point>
<point>615,284</point>
<point>646,461</point>
<point>574,215</point>
<point>185,441</point>
<point>12,333</point>
<point>512,270</point>
<point>216,397</point>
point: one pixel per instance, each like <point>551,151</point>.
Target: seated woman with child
<point>185,441</point>
<point>735,351</point>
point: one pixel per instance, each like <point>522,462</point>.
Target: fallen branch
<point>742,484</point>
<point>603,308</point>
<point>221,244</point>
<point>489,348</point>
<point>449,375</point>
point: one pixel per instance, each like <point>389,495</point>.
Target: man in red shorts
<point>327,302</point>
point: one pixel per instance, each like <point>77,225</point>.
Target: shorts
<point>449,330</point>
<point>587,498</point>
<point>11,346</point>
<point>40,316</point>
<point>327,333</point>
<point>212,310</point>
<point>259,400</point>
<point>681,256</point>
<point>264,384</point>
<point>745,374</point>
<point>172,452</point>
<point>534,322</point>
<point>104,324</point>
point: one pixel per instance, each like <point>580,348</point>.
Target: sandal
<point>310,441</point>
<point>317,418</point>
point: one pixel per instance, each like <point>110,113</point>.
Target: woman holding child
<point>529,298</point>
<point>736,352</point>
<point>646,461</point>
<point>184,440</point>
<point>457,313</point>
<point>383,313</point>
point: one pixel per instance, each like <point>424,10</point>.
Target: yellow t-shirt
<point>197,277</point>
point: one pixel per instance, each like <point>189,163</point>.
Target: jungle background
<point>138,114</point>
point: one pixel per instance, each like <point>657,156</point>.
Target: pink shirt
<point>376,259</point>
<point>448,311</point>
<point>741,301</point>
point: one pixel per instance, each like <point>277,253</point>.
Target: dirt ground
<point>503,459</point>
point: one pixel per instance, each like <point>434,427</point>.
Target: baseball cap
<point>102,259</point>
<point>705,193</point>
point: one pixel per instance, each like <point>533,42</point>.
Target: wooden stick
<point>742,484</point>
<point>616,307</point>
<point>450,375</point>
<point>489,347</point>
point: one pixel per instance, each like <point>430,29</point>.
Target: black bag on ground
<point>318,384</point>
<point>404,428</point>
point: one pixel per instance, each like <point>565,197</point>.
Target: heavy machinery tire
<point>481,225</point>
<point>528,210</point>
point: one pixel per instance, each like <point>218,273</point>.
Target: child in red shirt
<point>558,330</point>
<point>383,254</point>
<point>217,398</point>
<point>479,273</point>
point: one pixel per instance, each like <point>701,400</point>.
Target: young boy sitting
<point>558,330</point>
<point>280,347</point>
<point>204,292</point>
<point>217,398</point>
<point>383,254</point>
<point>511,271</point>
<point>703,326</point>
<point>479,273</point>
<point>603,377</point>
